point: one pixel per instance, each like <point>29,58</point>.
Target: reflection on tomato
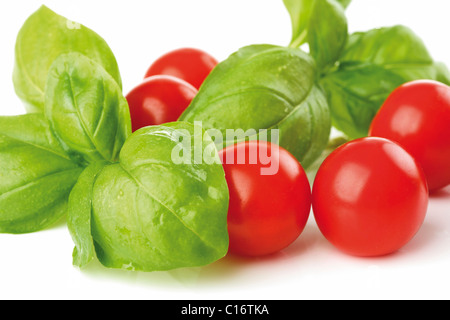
<point>370,197</point>
<point>158,100</point>
<point>268,209</point>
<point>417,116</point>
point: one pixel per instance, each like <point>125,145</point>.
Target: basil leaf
<point>327,32</point>
<point>265,87</point>
<point>300,12</point>
<point>36,175</point>
<point>86,109</point>
<point>355,93</point>
<point>373,64</point>
<point>79,216</point>
<point>320,23</point>
<point>396,48</point>
<point>306,131</point>
<point>45,36</point>
<point>148,213</point>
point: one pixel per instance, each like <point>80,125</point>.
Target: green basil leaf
<point>265,87</point>
<point>396,48</point>
<point>148,213</point>
<point>36,175</point>
<point>45,36</point>
<point>79,214</point>
<point>300,12</point>
<point>322,24</point>
<point>306,131</point>
<point>86,109</point>
<point>372,65</point>
<point>355,93</point>
<point>327,32</point>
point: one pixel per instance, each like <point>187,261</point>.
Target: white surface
<point>39,266</point>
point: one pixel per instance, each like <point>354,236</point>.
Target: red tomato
<point>417,116</point>
<point>191,65</point>
<point>158,100</point>
<point>370,197</point>
<point>267,212</point>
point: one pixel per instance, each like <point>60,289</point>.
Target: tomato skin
<point>158,100</point>
<point>417,116</point>
<point>370,197</point>
<point>190,64</point>
<point>267,212</point>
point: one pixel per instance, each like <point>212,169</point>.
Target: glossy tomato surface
<point>417,116</point>
<point>270,198</point>
<point>190,64</point>
<point>370,197</point>
<point>158,100</point>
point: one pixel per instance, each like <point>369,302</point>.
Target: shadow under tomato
<point>431,239</point>
<point>232,266</point>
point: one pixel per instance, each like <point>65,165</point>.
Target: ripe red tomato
<point>267,212</point>
<point>370,197</point>
<point>191,65</point>
<point>158,100</point>
<point>417,116</point>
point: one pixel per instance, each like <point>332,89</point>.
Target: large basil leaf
<point>355,94</point>
<point>36,176</point>
<point>148,213</point>
<point>45,36</point>
<point>86,109</point>
<point>266,87</point>
<point>397,49</point>
<point>320,23</point>
<point>372,65</point>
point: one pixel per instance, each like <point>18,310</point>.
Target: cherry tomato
<point>370,197</point>
<point>268,209</point>
<point>158,100</point>
<point>417,116</point>
<point>191,65</point>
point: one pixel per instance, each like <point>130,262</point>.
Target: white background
<point>39,266</point>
